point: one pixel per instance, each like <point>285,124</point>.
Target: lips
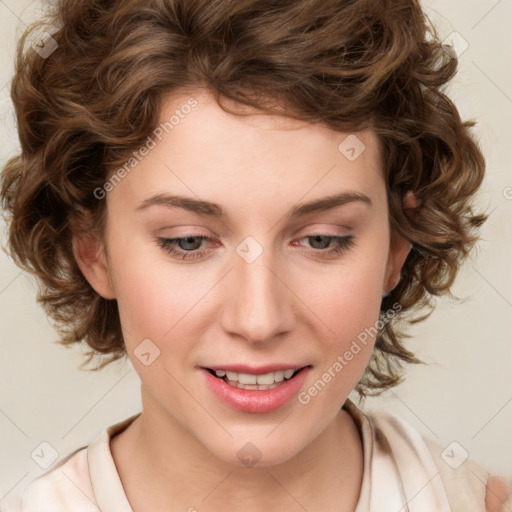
<point>255,398</point>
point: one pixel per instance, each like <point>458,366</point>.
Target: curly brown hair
<point>350,64</point>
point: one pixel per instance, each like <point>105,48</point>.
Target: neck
<point>159,462</point>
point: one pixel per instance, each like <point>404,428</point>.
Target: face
<point>244,275</point>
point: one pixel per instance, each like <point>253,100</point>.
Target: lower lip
<point>255,400</point>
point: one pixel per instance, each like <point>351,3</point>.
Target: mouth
<point>252,390</point>
<point>256,381</point>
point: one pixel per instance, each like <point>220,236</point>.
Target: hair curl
<point>350,64</point>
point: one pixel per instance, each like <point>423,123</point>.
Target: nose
<point>259,301</point>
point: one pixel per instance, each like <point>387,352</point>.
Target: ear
<point>90,256</point>
<point>399,248</point>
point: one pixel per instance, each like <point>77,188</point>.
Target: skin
<point>293,304</point>
<point>497,492</point>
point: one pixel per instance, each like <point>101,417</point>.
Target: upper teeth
<point>247,378</point>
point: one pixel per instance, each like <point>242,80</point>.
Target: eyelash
<point>342,244</point>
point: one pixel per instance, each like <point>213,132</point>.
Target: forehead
<point>196,116</point>
<point>201,150</point>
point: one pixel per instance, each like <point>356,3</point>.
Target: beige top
<point>402,472</point>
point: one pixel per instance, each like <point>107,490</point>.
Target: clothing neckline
<point>110,494</point>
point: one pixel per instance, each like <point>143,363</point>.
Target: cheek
<point>347,298</point>
<point>347,301</point>
<point>152,295</point>
<point>349,312</point>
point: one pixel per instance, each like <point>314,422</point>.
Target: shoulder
<point>466,481</point>
<point>65,487</point>
<point>69,484</point>
<point>468,486</point>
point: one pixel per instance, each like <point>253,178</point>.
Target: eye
<point>188,248</point>
<point>323,242</point>
<point>185,247</point>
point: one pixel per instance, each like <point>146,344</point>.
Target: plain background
<point>464,394</point>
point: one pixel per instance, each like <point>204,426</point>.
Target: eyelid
<point>323,228</point>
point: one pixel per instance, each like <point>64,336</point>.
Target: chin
<point>255,451</point>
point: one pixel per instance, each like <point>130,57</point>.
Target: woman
<point>247,200</point>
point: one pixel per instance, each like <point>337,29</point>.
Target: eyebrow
<point>215,210</point>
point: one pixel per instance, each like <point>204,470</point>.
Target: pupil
<point>189,240</point>
<point>317,238</point>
